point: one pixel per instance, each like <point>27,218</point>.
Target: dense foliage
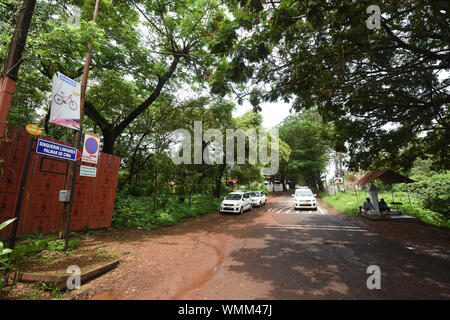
<point>379,95</point>
<point>385,90</point>
<point>310,142</point>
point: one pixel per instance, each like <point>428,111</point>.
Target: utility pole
<point>73,166</point>
<point>13,60</point>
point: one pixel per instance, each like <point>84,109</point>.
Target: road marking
<point>320,209</point>
<point>280,210</point>
<point>289,210</point>
<point>316,228</point>
<point>319,226</point>
<point>270,209</point>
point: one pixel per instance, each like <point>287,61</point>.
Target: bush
<point>259,186</point>
<point>434,192</point>
<point>138,211</point>
<point>29,247</point>
<point>6,260</point>
<point>58,245</point>
<point>426,215</point>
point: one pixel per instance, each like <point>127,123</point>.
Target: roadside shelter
<point>386,176</point>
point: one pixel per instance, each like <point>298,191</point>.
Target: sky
<point>273,113</point>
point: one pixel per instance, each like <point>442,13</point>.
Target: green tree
<point>385,90</point>
<point>308,139</point>
<point>140,48</point>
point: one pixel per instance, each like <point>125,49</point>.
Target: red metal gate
<point>41,211</point>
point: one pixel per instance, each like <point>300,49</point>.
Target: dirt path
<point>169,263</point>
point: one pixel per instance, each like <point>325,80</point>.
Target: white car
<point>258,198</point>
<point>236,202</point>
<point>304,199</point>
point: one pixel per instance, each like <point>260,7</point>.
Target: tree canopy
<point>379,95</point>
<point>385,90</point>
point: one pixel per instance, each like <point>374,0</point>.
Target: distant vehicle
<point>258,198</point>
<point>231,183</point>
<point>304,198</point>
<point>277,186</point>
<point>236,202</point>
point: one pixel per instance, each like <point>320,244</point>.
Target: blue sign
<point>56,150</point>
<point>91,145</point>
<point>68,80</point>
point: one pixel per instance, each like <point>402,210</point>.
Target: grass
<point>347,203</point>
<point>138,211</point>
<point>342,202</point>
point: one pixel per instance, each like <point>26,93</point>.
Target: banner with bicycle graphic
<point>65,107</point>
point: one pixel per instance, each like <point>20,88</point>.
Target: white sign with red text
<point>91,148</point>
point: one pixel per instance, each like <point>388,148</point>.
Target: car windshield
<point>255,194</point>
<point>304,192</point>
<point>234,196</point>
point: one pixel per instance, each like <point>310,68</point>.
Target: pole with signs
<point>91,148</point>
<point>71,177</point>
<point>52,149</point>
<point>74,178</point>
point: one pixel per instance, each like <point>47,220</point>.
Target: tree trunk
<point>111,132</point>
<point>154,190</point>
<point>108,140</point>
<point>17,45</point>
<point>189,197</point>
<point>218,187</point>
<point>11,65</point>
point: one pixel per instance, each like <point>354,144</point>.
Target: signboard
<point>86,171</point>
<point>65,107</point>
<point>57,150</point>
<point>91,147</point>
<point>33,129</point>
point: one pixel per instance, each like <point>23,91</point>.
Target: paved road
<point>275,252</point>
<point>288,254</point>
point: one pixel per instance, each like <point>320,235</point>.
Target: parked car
<point>304,198</point>
<point>236,202</point>
<point>258,198</point>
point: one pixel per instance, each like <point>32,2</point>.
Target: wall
<point>41,211</point>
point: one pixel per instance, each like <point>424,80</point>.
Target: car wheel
<point>251,207</point>
<point>242,210</point>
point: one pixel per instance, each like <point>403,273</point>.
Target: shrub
<point>6,258</point>
<point>58,245</point>
<point>434,192</point>
<point>138,211</point>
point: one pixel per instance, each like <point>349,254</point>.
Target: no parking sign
<point>91,147</point>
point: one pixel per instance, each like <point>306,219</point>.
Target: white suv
<point>304,198</point>
<point>258,198</point>
<point>236,202</point>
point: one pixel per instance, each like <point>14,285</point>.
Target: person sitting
<point>367,205</point>
<point>382,205</point>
